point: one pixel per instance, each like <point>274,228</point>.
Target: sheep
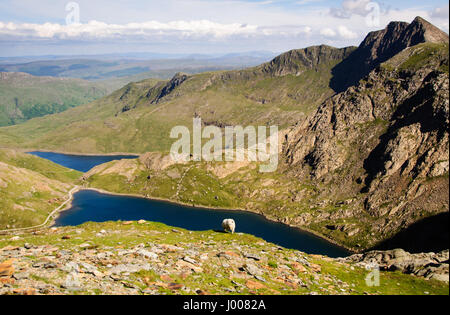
<point>229,225</point>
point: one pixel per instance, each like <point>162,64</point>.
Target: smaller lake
<point>82,163</point>
<point>92,206</point>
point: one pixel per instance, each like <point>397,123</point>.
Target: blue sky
<point>30,27</point>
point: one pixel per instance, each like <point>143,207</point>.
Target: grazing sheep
<point>229,225</point>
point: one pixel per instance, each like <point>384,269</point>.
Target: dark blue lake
<point>92,206</point>
<point>82,163</point>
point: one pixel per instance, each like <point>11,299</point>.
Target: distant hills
<point>23,96</point>
<point>105,67</point>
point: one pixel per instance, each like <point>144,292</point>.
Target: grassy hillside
<point>139,117</point>
<point>30,188</point>
<point>23,97</point>
<point>150,258</point>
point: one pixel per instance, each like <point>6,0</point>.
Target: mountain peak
<point>380,46</point>
<point>429,32</point>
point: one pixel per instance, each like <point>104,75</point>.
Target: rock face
<point>296,61</point>
<point>384,142</point>
<point>170,86</point>
<point>428,265</point>
<point>382,45</point>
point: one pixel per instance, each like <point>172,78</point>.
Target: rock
<point>21,276</point>
<point>142,222</point>
<point>316,268</point>
<point>298,267</point>
<point>252,256</point>
<point>254,285</point>
<point>147,254</point>
<point>427,265</point>
<point>190,260</point>
<point>26,291</point>
<point>185,264</point>
<point>228,255</point>
<point>7,268</point>
<point>175,286</point>
<point>253,270</point>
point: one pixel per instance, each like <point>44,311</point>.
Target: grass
<point>30,188</point>
<point>25,97</point>
<point>216,279</point>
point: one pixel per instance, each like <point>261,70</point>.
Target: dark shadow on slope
<point>348,72</point>
<point>416,109</point>
<point>428,235</point>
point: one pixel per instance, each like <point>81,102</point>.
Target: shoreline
<point>69,204</point>
<point>77,153</point>
<point>304,230</point>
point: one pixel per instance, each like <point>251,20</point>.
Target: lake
<point>92,206</point>
<point>82,163</point>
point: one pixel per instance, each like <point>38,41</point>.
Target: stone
<point>253,270</point>
<point>7,268</point>
<point>254,285</point>
<point>25,291</point>
<point>147,254</point>
<point>175,286</point>
<point>299,268</point>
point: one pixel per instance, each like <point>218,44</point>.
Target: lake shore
<point>194,206</point>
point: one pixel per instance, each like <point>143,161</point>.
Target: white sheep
<point>229,225</point>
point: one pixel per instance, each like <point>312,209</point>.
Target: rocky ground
<point>136,258</point>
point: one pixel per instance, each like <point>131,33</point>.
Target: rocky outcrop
<point>427,265</point>
<point>169,87</point>
<point>296,61</point>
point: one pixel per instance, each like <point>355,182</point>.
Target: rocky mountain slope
<point>149,258</point>
<point>384,142</point>
<point>23,96</point>
<point>381,46</point>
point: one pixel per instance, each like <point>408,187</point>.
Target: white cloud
<point>328,32</point>
<point>341,31</point>
<point>346,33</point>
<point>349,8</point>
<point>441,13</point>
<point>95,29</point>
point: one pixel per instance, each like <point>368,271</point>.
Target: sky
<point>60,27</point>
